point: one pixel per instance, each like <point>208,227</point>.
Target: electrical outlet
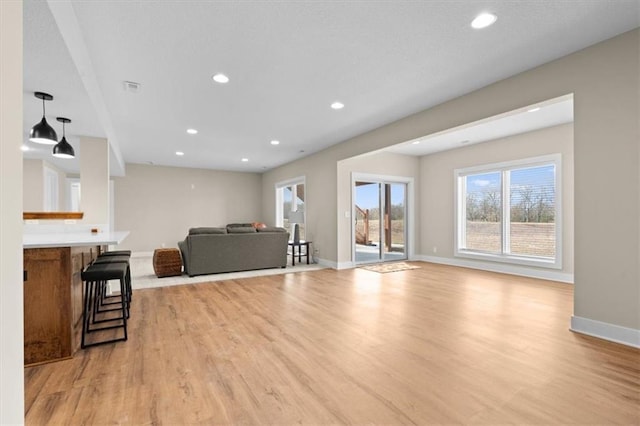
<point>435,249</point>
<point>163,245</point>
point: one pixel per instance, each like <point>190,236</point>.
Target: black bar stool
<point>102,290</point>
<point>95,276</point>
<point>117,253</point>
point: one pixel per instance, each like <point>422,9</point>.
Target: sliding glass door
<point>380,221</point>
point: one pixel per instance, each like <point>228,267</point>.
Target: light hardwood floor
<point>432,345</point>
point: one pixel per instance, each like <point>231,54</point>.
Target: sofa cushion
<point>271,229</point>
<point>239,225</point>
<point>205,230</point>
<point>241,230</point>
<point>212,254</point>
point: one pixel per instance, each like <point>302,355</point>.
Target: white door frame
<point>51,201</point>
<point>409,207</point>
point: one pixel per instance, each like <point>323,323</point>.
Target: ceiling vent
<point>132,87</point>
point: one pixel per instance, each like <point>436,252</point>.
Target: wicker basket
<point>167,262</point>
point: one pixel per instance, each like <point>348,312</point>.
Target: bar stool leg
<point>86,313</point>
<point>96,278</point>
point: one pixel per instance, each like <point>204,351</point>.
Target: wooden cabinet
<point>53,301</point>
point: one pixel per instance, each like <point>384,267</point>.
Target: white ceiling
<point>287,61</point>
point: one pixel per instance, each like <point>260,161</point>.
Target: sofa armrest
<point>184,251</point>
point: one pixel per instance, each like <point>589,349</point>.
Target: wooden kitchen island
<point>53,291</point>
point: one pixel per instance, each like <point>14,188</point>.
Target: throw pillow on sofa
<point>271,229</point>
<point>239,225</point>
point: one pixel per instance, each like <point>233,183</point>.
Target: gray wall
<point>159,204</point>
<point>604,81</point>
<point>320,199</point>
<point>379,163</point>
<point>437,197</point>
<point>94,180</point>
<point>33,185</point>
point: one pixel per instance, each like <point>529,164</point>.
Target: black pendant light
<point>63,149</point>
<point>42,132</point>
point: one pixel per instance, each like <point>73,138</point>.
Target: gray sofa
<point>238,247</point>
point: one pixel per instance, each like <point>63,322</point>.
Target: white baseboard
<point>346,265</point>
<point>334,265</point>
<point>603,330</point>
<point>523,271</point>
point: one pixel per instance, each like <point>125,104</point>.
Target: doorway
<point>290,198</point>
<point>380,219</point>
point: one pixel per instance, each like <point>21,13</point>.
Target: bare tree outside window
<point>530,201</point>
<point>483,212</point>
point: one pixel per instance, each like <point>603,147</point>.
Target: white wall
<point>604,81</point>
<point>159,204</point>
<point>11,313</point>
<point>439,187</point>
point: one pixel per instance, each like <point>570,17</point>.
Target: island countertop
<point>72,239</point>
<point>53,262</point>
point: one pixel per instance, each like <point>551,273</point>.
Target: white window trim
<point>300,180</point>
<point>460,214</point>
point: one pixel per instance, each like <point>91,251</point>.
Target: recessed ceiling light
<point>337,105</point>
<point>24,148</point>
<point>179,153</point>
<point>534,109</point>
<point>244,160</point>
<point>464,142</point>
<point>220,78</point>
<point>275,142</point>
<point>192,131</point>
<point>483,20</point>
<point>415,142</point>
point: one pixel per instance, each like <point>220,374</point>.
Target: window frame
<point>504,256</point>
<point>279,187</point>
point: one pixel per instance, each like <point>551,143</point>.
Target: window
<point>290,196</point>
<point>510,212</point>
